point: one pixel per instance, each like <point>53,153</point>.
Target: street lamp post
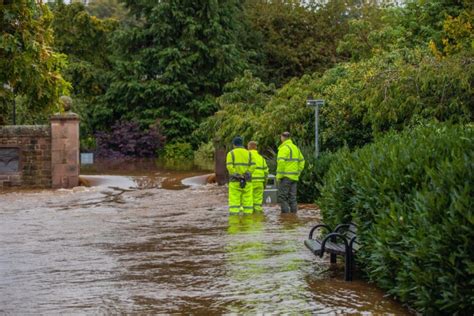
<point>315,104</point>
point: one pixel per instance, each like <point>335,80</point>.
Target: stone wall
<point>34,156</point>
<point>41,156</point>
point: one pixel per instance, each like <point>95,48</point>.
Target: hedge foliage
<point>412,196</point>
<point>179,151</point>
<point>311,179</point>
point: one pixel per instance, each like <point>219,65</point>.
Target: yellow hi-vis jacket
<point>239,161</point>
<point>290,161</point>
<point>261,169</point>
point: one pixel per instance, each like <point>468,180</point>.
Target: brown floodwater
<point>124,247</point>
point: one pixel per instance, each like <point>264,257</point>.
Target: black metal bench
<point>341,241</point>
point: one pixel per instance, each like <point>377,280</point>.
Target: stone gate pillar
<point>65,150</point>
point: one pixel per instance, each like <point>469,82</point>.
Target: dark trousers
<point>287,195</point>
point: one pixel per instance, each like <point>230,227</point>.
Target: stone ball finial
<point>66,102</point>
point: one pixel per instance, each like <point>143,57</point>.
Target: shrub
<point>88,144</point>
<point>204,156</point>
<point>205,152</point>
<point>178,151</point>
<point>312,176</point>
<point>239,111</point>
<point>412,194</point>
<point>126,139</point>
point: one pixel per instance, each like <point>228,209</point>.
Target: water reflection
<point>144,167</point>
<point>140,173</point>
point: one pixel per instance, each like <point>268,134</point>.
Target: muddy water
<point>146,251</point>
<point>141,174</point>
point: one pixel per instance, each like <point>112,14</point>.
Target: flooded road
<point>109,249</point>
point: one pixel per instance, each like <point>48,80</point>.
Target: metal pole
<point>316,131</point>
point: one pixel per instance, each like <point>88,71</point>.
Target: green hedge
<point>204,156</point>
<point>312,176</point>
<point>413,196</point>
<point>179,151</point>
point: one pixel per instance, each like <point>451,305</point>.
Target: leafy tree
<point>457,35</point>
<point>240,109</point>
<point>393,90</point>
<point>29,68</point>
<point>423,20</point>
<point>417,23</point>
<point>107,9</point>
<point>296,37</point>
<point>174,61</point>
<point>84,39</point>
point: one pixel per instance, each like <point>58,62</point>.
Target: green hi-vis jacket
<point>261,169</point>
<point>290,161</point>
<point>239,161</point>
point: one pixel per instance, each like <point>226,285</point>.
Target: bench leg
<point>352,263</point>
<point>333,256</point>
<point>348,267</point>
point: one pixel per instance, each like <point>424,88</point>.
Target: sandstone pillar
<point>65,150</point>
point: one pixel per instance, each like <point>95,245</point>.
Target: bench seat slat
<point>315,246</point>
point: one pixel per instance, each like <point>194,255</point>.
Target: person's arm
<point>229,164</point>
<point>283,154</point>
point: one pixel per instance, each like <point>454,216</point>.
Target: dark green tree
<point>107,9</point>
<point>173,62</point>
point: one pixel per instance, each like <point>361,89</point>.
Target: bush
<point>88,144</point>
<point>126,139</point>
<point>178,151</point>
<point>205,152</point>
<point>411,194</point>
<point>312,176</point>
<point>204,156</point>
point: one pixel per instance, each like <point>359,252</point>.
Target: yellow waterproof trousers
<point>240,199</point>
<point>258,188</point>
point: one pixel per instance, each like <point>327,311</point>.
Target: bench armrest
<point>351,243</point>
<point>316,227</point>
<point>330,237</point>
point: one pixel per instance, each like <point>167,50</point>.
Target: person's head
<point>284,136</point>
<point>252,145</point>
<point>238,142</point>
